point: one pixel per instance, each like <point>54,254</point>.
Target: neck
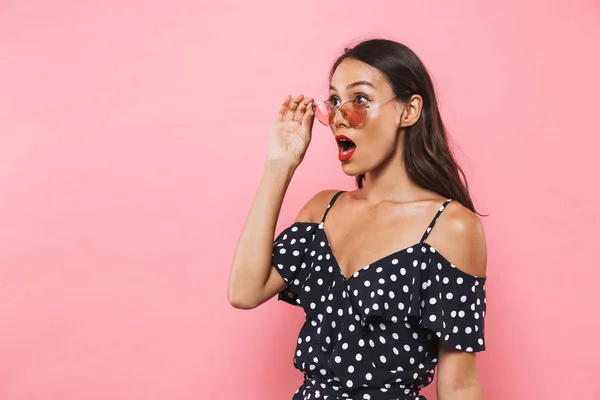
<point>390,182</point>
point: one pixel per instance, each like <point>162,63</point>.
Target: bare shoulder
<point>459,236</point>
<point>314,209</point>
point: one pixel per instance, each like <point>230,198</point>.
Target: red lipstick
<point>346,147</point>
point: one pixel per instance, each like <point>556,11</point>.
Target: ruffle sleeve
<point>289,256</point>
<point>453,304</point>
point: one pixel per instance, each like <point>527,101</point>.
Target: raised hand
<point>291,131</point>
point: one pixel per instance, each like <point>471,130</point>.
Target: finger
<point>309,115</point>
<point>301,110</point>
<point>282,107</point>
<point>289,114</point>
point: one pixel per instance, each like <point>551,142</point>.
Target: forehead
<point>351,70</point>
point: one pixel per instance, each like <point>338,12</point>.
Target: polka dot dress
<point>376,334</point>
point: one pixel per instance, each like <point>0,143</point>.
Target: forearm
<point>252,258</point>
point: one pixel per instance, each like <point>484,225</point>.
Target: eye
<point>361,99</point>
<point>334,101</point>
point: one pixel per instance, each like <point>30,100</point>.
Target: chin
<point>352,170</point>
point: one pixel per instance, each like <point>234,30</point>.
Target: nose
<point>338,117</point>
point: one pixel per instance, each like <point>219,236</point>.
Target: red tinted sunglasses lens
<point>354,113</point>
<point>323,113</point>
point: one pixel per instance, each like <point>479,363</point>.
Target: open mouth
<point>346,147</point>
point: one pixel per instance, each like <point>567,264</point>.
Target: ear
<point>412,111</point>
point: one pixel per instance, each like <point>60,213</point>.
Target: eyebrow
<point>354,84</point>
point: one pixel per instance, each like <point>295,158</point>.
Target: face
<point>365,147</point>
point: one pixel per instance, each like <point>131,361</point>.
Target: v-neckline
<point>366,266</point>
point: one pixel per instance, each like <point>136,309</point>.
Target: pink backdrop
<point>132,138</point>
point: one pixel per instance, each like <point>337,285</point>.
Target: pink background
<point>133,135</point>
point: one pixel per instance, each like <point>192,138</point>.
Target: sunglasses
<point>353,111</point>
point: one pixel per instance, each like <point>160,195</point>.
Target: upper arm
<point>312,211</point>
<point>460,237</point>
<point>457,371</point>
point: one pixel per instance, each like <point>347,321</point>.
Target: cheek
<point>381,137</point>
<point>378,146</point>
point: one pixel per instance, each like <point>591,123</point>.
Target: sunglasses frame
<point>334,109</point>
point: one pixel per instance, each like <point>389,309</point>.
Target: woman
<point>387,297</point>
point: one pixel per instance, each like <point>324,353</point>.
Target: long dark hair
<point>427,156</point>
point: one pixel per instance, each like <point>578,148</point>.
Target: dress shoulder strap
<point>333,199</point>
<point>432,224</point>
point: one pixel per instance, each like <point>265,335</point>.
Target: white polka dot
<point>432,318</point>
<point>351,369</point>
<point>459,281</point>
<point>358,357</point>
<point>383,359</point>
<point>368,377</point>
<point>367,283</point>
<point>338,359</point>
<point>349,383</point>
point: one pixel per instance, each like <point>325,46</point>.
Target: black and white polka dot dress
<point>376,334</point>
